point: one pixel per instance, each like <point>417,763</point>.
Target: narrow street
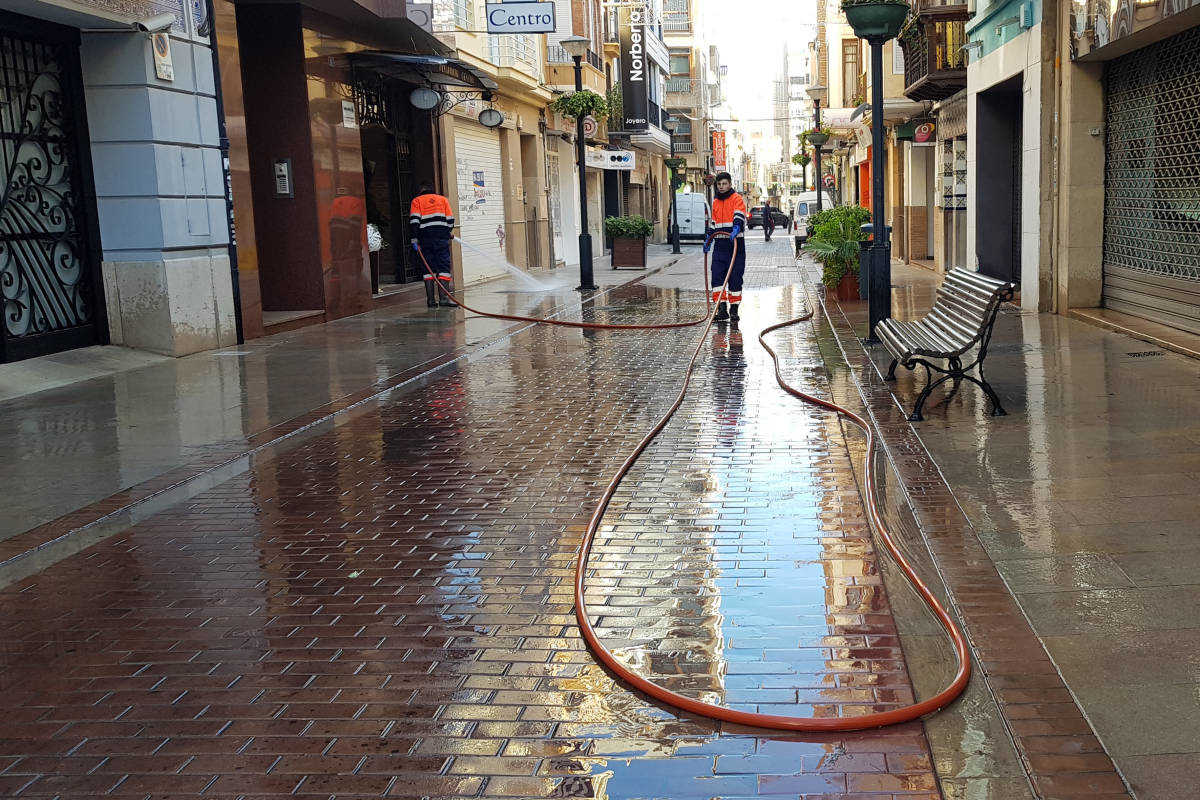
<point>384,609</point>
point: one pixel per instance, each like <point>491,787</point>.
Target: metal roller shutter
<point>480,200</point>
<point>1152,183</point>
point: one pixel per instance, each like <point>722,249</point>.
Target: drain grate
<point>1146,354</point>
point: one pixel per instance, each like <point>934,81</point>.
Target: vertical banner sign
<point>635,70</point>
<point>718,149</point>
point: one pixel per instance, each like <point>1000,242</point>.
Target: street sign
<point>611,159</point>
<point>829,181</point>
<point>520,17</point>
<point>590,128</point>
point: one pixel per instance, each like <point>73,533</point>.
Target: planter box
<point>847,290</point>
<point>629,253</point>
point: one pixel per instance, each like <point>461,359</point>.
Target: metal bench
<point>961,319</point>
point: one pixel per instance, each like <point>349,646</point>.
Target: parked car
<point>806,207</point>
<point>756,219</point>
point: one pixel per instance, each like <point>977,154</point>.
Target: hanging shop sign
<point>520,17</point>
<point>924,135</point>
<point>635,71</point>
<point>611,159</point>
<point>718,150</point>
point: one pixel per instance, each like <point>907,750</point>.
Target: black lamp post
<point>877,21</point>
<point>577,47</point>
<point>672,126</point>
<point>815,92</point>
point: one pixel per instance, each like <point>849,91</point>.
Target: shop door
<point>1152,183</point>
<point>480,200</point>
<point>49,246</point>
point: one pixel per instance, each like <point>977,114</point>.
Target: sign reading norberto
<point>634,93</point>
<point>520,17</point>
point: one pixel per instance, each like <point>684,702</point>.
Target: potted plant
<point>835,243</point>
<point>818,136</point>
<point>629,235</point>
<point>878,20</point>
<point>581,104</point>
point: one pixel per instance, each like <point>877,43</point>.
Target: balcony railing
<point>678,23</point>
<point>682,85</point>
<point>517,50</point>
<point>556,54</point>
<point>685,147</point>
<point>655,115</point>
<point>935,65</point>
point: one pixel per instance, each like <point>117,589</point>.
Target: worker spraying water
<point>729,260</point>
<point>431,223</point>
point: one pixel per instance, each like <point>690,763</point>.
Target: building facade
<point>115,222</point>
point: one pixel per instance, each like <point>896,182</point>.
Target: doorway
<point>998,180</point>
<point>49,241</point>
<point>398,156</point>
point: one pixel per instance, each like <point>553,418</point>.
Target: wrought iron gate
<point>1152,183</point>
<point>48,242</point>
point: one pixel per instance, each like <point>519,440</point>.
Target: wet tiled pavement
<point>383,607</point>
<point>1079,510</point>
<point>71,446</point>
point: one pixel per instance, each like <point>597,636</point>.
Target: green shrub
<point>581,104</point>
<point>628,227</point>
<point>834,240</point>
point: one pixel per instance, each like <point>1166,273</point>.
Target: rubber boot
<point>733,312</point>
<point>722,312</point>
<point>431,294</point>
<point>443,300</point>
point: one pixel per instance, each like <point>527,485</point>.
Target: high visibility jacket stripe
<point>729,212</point>
<point>430,213</point>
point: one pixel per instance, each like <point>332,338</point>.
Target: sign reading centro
<point>520,17</point>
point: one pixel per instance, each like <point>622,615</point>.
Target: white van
<point>694,214</point>
<point>805,207</point>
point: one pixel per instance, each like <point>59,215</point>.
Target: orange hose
<point>709,710</point>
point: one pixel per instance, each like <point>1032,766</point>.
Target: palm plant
<point>835,242</point>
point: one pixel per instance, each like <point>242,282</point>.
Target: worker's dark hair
<point>724,176</point>
<point>424,187</point>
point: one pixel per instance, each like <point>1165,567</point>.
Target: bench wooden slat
<point>949,330</point>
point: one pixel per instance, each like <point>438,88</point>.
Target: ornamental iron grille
<point>47,271</point>
<point>1152,182</point>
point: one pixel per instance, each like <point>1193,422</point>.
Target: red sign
<point>718,148</point>
<point>923,133</point>
<point>828,181</point>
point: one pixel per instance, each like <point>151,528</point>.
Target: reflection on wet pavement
<point>385,609</point>
<point>77,444</point>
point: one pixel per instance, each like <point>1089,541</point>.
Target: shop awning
<point>440,70</point>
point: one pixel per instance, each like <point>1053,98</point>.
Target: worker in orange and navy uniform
<point>728,216</point>
<point>431,223</point>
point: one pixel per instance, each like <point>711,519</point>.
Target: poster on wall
<point>635,71</point>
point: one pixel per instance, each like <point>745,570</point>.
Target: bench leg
<point>930,385</point>
<point>997,409</point>
<point>891,373</point>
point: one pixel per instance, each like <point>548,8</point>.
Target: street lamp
<point>672,126</point>
<point>577,47</point>
<point>817,93</point>
<point>877,21</point>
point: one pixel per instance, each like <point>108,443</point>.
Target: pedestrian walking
<point>728,216</point>
<point>431,222</point>
<point>768,220</point>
